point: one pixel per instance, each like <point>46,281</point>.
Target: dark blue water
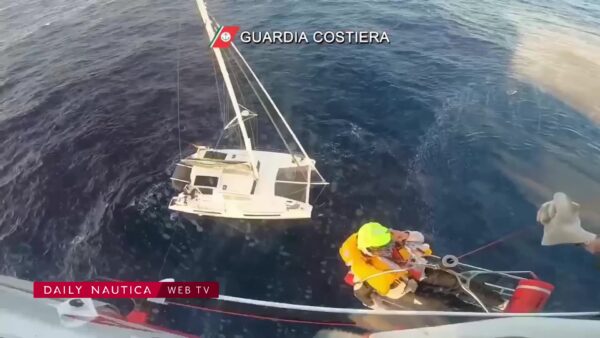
<point>431,132</point>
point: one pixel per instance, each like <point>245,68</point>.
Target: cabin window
<point>291,190</point>
<point>207,181</point>
<point>215,155</point>
<point>181,177</point>
<point>293,174</point>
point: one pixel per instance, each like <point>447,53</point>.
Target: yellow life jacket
<point>363,266</point>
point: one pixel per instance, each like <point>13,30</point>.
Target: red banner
<point>224,36</point>
<point>125,289</point>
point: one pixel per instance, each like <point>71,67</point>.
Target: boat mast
<point>227,80</point>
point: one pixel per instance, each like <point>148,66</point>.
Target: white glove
<point>397,292</point>
<point>546,213</point>
<point>561,221</point>
<point>412,285</point>
<point>415,236</point>
<point>593,247</point>
<point>402,289</point>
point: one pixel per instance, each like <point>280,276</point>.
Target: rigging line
<point>252,136</point>
<point>242,100</point>
<point>225,107</point>
<point>167,253</point>
<point>221,134</point>
<point>223,103</point>
<point>275,107</point>
<point>320,192</point>
<point>262,103</point>
<point>257,131</point>
<point>218,89</point>
<point>498,241</point>
<point>237,83</point>
<point>221,107</point>
<point>234,82</point>
<point>236,132</point>
<point>326,309</point>
<point>261,317</point>
<point>272,103</point>
<point>178,110</point>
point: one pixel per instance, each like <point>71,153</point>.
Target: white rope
<point>351,311</point>
<point>325,309</point>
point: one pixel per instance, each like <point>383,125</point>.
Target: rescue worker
<point>369,257</point>
<point>375,249</point>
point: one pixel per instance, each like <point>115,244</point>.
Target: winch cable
<point>354,311</point>
<point>419,313</point>
<point>497,241</point>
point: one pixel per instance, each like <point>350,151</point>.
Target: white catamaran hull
<point>220,183</point>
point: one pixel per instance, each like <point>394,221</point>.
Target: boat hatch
<point>206,181</point>
<point>181,176</point>
<point>206,191</point>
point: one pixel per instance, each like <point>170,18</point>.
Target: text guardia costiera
<point>319,37</point>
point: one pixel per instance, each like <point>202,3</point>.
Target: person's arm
<point>400,236</point>
<point>593,247</point>
<point>407,236</point>
<point>415,237</point>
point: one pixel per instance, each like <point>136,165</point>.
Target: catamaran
<point>245,183</point>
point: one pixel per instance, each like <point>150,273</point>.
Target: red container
<point>530,295</point>
<point>349,278</point>
<point>138,317</point>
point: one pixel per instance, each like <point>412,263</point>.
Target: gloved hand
<point>546,213</point>
<point>400,236</point>
<point>415,236</point>
<point>397,291</point>
<point>561,221</point>
<point>412,285</point>
<point>402,288</point>
<point>593,246</point>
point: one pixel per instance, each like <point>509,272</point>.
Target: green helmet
<point>372,235</point>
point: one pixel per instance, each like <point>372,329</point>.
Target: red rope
<point>259,317</point>
<point>498,241</point>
